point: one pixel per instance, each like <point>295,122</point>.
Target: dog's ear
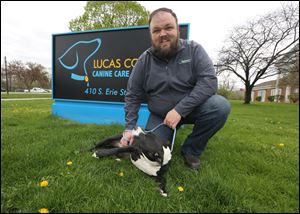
<point>166,143</point>
<point>142,137</point>
<point>135,153</point>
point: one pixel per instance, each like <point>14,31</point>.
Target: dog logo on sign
<point>65,58</point>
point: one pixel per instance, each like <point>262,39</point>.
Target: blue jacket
<point>183,83</point>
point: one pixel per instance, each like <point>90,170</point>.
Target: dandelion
<point>180,189</point>
<point>69,163</point>
<point>280,145</point>
<point>121,174</point>
<point>43,210</point>
<point>44,183</point>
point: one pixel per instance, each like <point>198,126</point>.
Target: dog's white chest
<point>151,167</point>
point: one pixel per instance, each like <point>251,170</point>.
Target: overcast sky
<point>27,27</point>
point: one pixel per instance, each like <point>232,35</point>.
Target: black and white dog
<point>148,153</point>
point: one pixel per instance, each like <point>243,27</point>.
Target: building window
<point>261,93</point>
<point>273,92</point>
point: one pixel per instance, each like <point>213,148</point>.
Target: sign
<point>96,65</point>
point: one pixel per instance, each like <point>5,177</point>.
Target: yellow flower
<point>121,174</point>
<point>69,163</point>
<point>280,145</point>
<point>43,210</point>
<point>44,183</point>
<point>180,189</point>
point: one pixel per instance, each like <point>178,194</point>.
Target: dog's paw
<point>95,155</point>
<point>103,153</point>
<point>162,193</point>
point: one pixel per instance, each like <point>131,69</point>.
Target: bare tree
<point>290,72</point>
<point>13,68</point>
<point>253,49</point>
<point>226,82</point>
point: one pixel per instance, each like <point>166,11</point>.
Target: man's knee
<point>216,106</point>
<point>221,104</point>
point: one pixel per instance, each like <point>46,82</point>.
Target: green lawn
<point>14,95</point>
<point>251,165</point>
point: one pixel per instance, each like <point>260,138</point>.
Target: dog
<point>148,152</point>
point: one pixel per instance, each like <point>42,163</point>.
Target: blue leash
<point>159,125</point>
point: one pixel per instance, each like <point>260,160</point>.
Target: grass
<point>243,168</point>
<point>14,95</point>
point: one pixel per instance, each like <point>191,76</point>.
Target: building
<point>267,89</point>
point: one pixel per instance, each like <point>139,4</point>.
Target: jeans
<point>208,118</point>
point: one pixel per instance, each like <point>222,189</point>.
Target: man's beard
<point>165,53</point>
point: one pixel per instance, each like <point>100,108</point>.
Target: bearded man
<point>178,81</point>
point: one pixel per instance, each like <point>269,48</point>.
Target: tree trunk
<point>247,93</point>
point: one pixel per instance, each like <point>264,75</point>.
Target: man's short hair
<point>164,9</point>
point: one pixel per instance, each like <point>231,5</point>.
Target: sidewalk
<point>41,98</point>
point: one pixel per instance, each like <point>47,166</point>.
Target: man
<point>178,80</point>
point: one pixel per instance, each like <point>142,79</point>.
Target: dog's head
<point>154,148</point>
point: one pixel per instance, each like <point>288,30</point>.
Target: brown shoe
<point>191,161</point>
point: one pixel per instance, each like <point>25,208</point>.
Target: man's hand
<point>172,118</point>
<point>127,138</point>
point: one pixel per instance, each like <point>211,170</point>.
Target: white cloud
<point>27,27</point>
<point>211,21</point>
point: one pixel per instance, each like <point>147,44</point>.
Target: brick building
<point>266,89</point>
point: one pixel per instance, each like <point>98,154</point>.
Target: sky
<point>27,26</point>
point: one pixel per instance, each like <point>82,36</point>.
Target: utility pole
<point>5,67</point>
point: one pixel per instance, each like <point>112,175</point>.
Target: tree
<point>13,68</point>
<point>226,85</point>
<point>29,73</point>
<point>110,14</point>
<point>289,71</point>
<point>252,50</point>
<point>37,73</point>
